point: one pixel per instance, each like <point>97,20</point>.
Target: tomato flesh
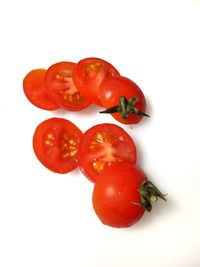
<point>89,74</point>
<point>35,91</point>
<point>115,193</point>
<point>113,88</point>
<point>102,145</point>
<point>55,143</point>
<point>60,86</point>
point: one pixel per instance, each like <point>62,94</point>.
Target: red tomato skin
<point>52,158</point>
<point>125,149</point>
<point>111,90</point>
<point>114,193</point>
<point>88,84</point>
<point>56,81</point>
<point>35,91</point>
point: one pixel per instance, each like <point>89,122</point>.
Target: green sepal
<point>148,193</point>
<point>125,107</point>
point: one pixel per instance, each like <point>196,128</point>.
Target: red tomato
<point>55,143</point>
<point>122,193</point>
<point>112,92</point>
<point>102,145</point>
<point>35,91</point>
<point>89,74</point>
<point>60,87</point>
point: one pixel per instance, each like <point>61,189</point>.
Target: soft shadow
<point>159,209</point>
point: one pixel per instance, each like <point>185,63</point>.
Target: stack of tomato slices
<point>105,153</point>
<point>91,81</point>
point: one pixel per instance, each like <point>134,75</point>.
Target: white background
<point>46,219</point>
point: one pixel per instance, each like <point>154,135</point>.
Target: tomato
<point>89,74</point>
<point>122,194</point>
<point>102,145</point>
<point>35,91</point>
<point>60,87</point>
<point>123,99</point>
<point>55,143</point>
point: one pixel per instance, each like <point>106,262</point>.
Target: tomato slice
<point>55,143</point>
<point>60,87</point>
<point>35,91</point>
<point>89,74</point>
<point>102,145</point>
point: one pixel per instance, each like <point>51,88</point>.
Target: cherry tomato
<point>102,145</point>
<point>60,87</point>
<point>55,143</point>
<point>123,99</point>
<point>89,74</point>
<point>35,91</point>
<point>122,193</point>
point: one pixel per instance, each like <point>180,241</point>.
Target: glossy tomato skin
<point>102,145</point>
<point>113,88</point>
<point>60,86</point>
<point>55,143</point>
<point>35,91</point>
<point>115,192</point>
<point>89,74</point>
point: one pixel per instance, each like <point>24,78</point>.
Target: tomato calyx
<point>148,193</point>
<point>125,107</point>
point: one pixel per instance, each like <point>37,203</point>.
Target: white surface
<point>47,219</point>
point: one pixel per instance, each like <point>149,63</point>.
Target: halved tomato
<point>102,145</point>
<point>55,144</point>
<point>89,74</point>
<point>60,86</point>
<point>35,91</point>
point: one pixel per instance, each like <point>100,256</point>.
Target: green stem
<point>148,193</point>
<point>125,107</point>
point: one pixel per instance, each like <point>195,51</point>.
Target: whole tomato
<point>123,99</point>
<point>122,193</point>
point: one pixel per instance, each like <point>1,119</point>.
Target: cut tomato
<point>61,89</point>
<point>102,145</point>
<point>89,74</point>
<point>35,91</point>
<point>55,144</point>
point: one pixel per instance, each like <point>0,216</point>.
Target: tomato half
<point>115,193</point>
<point>116,94</point>
<point>102,145</point>
<point>89,74</point>
<point>35,91</point>
<point>61,89</point>
<point>55,144</point>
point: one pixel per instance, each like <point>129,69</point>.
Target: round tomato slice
<point>89,74</point>
<point>35,91</point>
<point>61,89</point>
<point>102,145</point>
<point>123,99</point>
<point>55,143</point>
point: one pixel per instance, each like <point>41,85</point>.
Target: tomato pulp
<point>102,145</point>
<point>89,74</point>
<point>55,144</point>
<point>60,86</point>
